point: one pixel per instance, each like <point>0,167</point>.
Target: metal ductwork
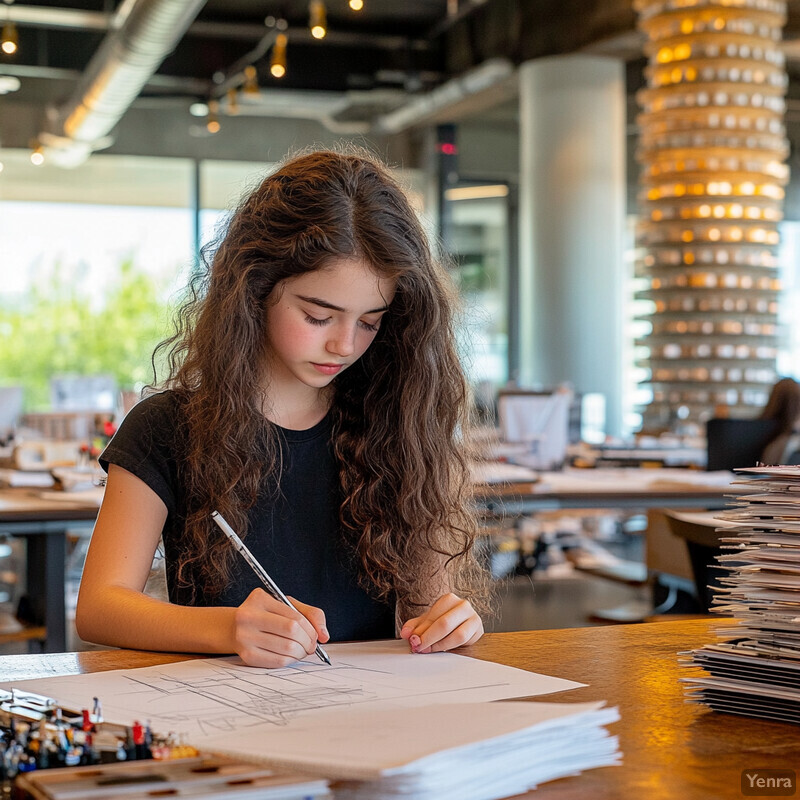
<point>382,112</point>
<point>485,81</point>
<point>146,31</point>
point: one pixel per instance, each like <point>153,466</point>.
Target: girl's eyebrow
<point>325,304</point>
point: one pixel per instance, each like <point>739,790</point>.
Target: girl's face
<point>323,321</point>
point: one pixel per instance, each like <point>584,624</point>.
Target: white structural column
<point>572,216</point>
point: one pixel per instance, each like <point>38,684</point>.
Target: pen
<point>269,584</point>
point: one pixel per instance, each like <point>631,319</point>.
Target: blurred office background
<point>514,125</point>
<point>128,130</point>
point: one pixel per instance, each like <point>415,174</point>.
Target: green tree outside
<point>53,330</point>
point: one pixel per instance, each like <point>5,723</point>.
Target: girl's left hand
<point>450,622</point>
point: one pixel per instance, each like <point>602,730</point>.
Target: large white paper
<point>206,697</point>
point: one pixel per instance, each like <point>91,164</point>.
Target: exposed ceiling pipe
<point>427,108</point>
<point>343,113</point>
<point>384,112</point>
<point>490,83</point>
<point>122,65</point>
<point>81,20</point>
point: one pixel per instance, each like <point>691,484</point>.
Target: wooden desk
<point>43,523</point>
<point>670,749</point>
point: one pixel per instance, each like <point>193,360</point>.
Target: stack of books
<point>754,669</point>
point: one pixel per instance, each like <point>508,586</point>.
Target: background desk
<point>631,489</point>
<point>44,521</point>
<point>608,488</point>
<point>44,524</point>
<point>670,749</point>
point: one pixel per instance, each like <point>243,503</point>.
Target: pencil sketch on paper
<point>227,697</point>
<point>206,697</point>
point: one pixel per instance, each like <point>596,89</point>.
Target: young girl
<point>315,400</point>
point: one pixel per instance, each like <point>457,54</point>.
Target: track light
<point>37,155</point>
<point>233,101</point>
<point>317,19</point>
<point>212,121</point>
<point>277,63</point>
<point>250,80</point>
<point>10,38</point>
<point>356,5</point>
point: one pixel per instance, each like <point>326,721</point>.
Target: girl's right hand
<point>268,633</point>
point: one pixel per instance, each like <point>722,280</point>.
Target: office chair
<point>703,546</point>
<point>794,459</point>
<point>733,443</point>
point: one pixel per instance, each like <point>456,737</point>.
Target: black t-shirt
<point>295,535</point>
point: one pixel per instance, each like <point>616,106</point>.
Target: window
<point>480,251</point>
<point>87,281</point>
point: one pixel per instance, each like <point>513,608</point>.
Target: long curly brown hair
<point>398,413</point>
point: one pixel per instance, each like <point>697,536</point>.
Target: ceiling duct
<point>387,111</point>
<point>383,111</point>
<point>488,84</point>
<point>128,56</point>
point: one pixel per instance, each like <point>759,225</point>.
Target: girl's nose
<point>343,341</point>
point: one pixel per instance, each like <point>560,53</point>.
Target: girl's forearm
<point>126,618</point>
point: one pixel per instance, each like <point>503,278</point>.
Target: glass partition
<point>479,248</point>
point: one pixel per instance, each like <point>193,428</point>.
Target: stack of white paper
<point>464,751</point>
<point>386,722</point>
<point>755,671</point>
<point>30,479</point>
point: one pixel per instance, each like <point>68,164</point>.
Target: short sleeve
<point>144,445</point>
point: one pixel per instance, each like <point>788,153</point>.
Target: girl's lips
<point>327,369</point>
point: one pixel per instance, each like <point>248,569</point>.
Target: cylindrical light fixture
<point>712,146</point>
<point>212,120</point>
<point>9,38</point>
<point>277,62</point>
<point>37,154</point>
<point>250,86</point>
<point>317,19</point>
